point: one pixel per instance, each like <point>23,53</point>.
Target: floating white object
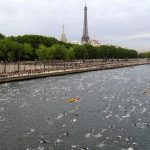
<point>130,148</point>
<point>101,145</point>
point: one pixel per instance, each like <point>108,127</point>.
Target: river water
<point>113,112</point>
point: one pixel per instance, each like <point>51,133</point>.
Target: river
<point>113,112</point>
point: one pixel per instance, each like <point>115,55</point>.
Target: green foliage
<point>55,52</point>
<point>27,52</point>
<point>144,55</point>
<point>32,47</point>
<point>59,51</point>
<point>69,55</point>
<point>41,52</point>
<point>9,50</point>
<point>35,40</point>
<point>91,52</point>
<point>80,52</point>
<point>14,51</point>
<point>106,51</point>
<point>2,36</point>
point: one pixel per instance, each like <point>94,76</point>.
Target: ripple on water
<point>59,116</point>
<point>3,100</point>
<point>24,104</point>
<point>2,109</point>
<point>113,103</point>
<point>2,119</point>
<point>32,130</point>
<point>101,145</point>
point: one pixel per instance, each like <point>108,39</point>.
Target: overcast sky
<point>118,22</point>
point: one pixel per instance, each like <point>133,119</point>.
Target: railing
<point>11,69</point>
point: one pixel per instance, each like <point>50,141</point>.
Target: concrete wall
<point>13,67</point>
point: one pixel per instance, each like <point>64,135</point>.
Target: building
<point>76,42</point>
<point>94,43</point>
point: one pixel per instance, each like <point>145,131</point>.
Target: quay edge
<point>62,72</point>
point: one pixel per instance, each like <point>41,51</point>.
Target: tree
<point>80,52</point>
<point>144,55</point>
<point>2,36</point>
<point>27,52</point>
<point>35,40</point>
<point>59,51</point>
<point>91,51</point>
<point>9,50</point>
<point>31,47</point>
<point>41,52</point>
<point>104,51</point>
<point>69,54</point>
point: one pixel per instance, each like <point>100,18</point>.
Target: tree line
<point>37,47</point>
<point>144,55</point>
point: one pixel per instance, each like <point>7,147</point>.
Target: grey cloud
<point>120,22</point>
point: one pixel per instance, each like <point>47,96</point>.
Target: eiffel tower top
<point>63,35</point>
<point>85,7</point>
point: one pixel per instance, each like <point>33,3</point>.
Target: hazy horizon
<point>121,23</point>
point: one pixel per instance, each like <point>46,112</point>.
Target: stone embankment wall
<point>14,67</point>
<point>36,69</point>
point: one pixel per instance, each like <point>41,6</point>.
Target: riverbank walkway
<point>29,70</point>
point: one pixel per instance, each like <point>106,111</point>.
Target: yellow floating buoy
<point>71,100</point>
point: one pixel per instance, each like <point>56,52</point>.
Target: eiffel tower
<point>85,37</point>
<point>63,36</point>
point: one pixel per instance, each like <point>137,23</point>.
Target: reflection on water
<point>113,112</point>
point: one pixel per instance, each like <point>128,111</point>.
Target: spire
<point>85,3</point>
<point>63,35</point>
<point>85,37</point>
<point>63,29</point>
